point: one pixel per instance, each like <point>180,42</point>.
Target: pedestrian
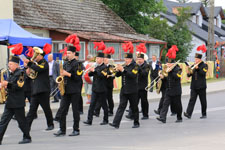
<point>155,66</point>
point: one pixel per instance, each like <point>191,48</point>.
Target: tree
<point>205,3</point>
<point>178,34</point>
<point>183,1</point>
<point>136,13</point>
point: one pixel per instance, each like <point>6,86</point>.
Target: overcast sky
<point>217,2</point>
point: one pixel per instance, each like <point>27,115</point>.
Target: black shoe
<point>96,114</point>
<point>110,114</point>
<point>74,133</point>
<point>25,141</point>
<point>88,122</point>
<point>129,117</point>
<point>179,121</point>
<point>50,128</point>
<point>186,115</point>
<point>172,114</point>
<point>59,133</point>
<point>203,117</point>
<point>114,125</point>
<point>160,119</point>
<point>144,118</point>
<point>156,112</point>
<point>55,101</point>
<point>104,123</point>
<point>127,110</point>
<point>56,119</point>
<point>136,126</point>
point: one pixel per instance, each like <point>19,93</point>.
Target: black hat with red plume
<point>141,50</point>
<point>171,54</point>
<point>100,46</point>
<point>75,41</point>
<point>17,49</point>
<point>200,48</point>
<point>128,48</point>
<point>47,49</point>
<point>108,52</point>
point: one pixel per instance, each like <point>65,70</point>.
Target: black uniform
<point>129,91</point>
<point>173,94</point>
<point>14,105</point>
<point>81,68</point>
<point>72,94</point>
<point>198,87</point>
<point>40,92</point>
<point>109,93</point>
<point>98,92</point>
<point>142,83</point>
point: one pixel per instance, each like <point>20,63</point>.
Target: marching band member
<point>129,90</point>
<point>15,101</point>
<point>41,86</point>
<point>99,74</point>
<point>142,79</point>
<point>173,87</point>
<point>198,84</point>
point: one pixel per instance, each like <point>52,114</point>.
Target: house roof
<point>82,15</point>
<point>217,11</point>
<point>197,30</point>
<point>195,7</point>
<point>112,37</point>
<point>218,31</point>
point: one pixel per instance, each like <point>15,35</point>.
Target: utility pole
<point>211,41</point>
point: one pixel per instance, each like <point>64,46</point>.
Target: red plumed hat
<point>202,48</point>
<point>141,48</point>
<point>172,52</point>
<point>99,46</point>
<point>74,40</point>
<point>47,48</point>
<point>109,50</point>
<point>128,47</point>
<point>17,48</point>
<point>29,52</point>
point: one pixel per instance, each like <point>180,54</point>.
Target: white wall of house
<point>38,32</point>
<point>218,21</point>
<point>6,12</point>
<point>195,42</point>
<point>197,18</point>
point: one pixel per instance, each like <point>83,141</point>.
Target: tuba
<point>3,91</point>
<point>60,81</point>
<point>37,51</point>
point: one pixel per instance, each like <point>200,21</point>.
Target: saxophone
<point>2,92</point>
<point>60,81</point>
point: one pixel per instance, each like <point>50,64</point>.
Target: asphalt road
<point>195,133</point>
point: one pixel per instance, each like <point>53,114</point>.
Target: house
<point>91,20</point>
<point>198,22</point>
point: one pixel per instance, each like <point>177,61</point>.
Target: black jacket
<point>72,84</point>
<point>173,87</point>
<point>109,80</point>
<point>41,83</point>
<point>154,73</point>
<point>198,80</point>
<point>99,78</point>
<point>129,78</point>
<point>143,76</point>
<point>15,92</point>
<point>27,83</point>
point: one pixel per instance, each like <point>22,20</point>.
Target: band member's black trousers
<point>20,117</point>
<point>109,98</point>
<point>81,104</point>
<point>43,100</point>
<point>142,94</point>
<point>176,101</point>
<point>124,98</point>
<point>172,107</point>
<point>98,98</point>
<point>192,101</point>
<point>68,99</point>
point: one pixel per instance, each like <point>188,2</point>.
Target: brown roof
<point>78,15</point>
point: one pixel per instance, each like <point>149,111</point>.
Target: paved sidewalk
<point>215,86</point>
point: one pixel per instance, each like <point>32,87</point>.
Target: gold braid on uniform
<point>79,70</point>
<point>135,70</point>
<point>179,73</point>
<point>205,69</point>
<point>104,72</point>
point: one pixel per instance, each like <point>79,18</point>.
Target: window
<point>154,50</point>
<point>58,45</point>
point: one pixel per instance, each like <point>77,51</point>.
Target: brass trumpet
<point>60,81</point>
<point>192,67</point>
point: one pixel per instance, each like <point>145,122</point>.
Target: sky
<point>217,2</point>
